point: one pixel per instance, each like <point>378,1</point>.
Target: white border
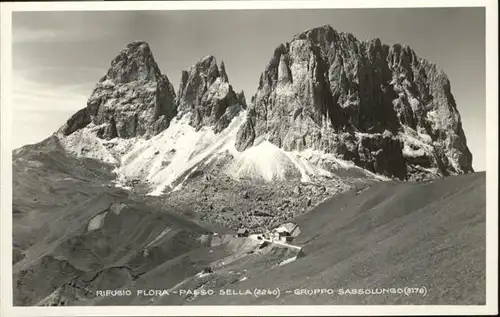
<point>490,308</point>
<point>237,5</point>
<point>492,154</point>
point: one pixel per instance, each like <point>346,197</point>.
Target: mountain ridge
<point>326,90</point>
<point>381,107</point>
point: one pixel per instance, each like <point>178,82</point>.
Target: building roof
<point>242,230</point>
<point>281,229</point>
<point>286,227</point>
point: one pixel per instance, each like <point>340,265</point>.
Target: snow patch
<point>32,164</point>
<point>97,221</point>
<point>265,161</point>
<point>435,119</point>
<point>182,150</point>
<point>159,236</point>
<point>268,162</point>
<point>108,83</point>
<point>202,274</point>
<point>84,143</point>
<point>414,103</point>
<point>116,208</point>
<point>325,164</point>
<point>409,152</point>
<point>416,144</point>
<point>289,260</point>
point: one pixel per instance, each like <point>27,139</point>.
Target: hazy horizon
<point>59,56</point>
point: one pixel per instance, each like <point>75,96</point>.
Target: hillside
<point>70,220</point>
<point>388,235</point>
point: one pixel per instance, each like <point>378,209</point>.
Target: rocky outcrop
<point>380,106</point>
<point>206,95</point>
<point>132,99</point>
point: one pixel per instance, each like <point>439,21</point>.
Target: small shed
<point>243,232</point>
<point>285,236</point>
<point>290,229</point>
<point>282,232</point>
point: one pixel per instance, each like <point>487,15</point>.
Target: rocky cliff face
<point>380,106</point>
<point>132,99</point>
<point>205,93</point>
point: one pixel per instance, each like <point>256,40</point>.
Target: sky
<point>59,56</point>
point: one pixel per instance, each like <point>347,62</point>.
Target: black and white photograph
<point>248,157</point>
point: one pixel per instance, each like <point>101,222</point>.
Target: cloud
<point>39,109</point>
<point>33,96</point>
<point>68,26</point>
<point>22,35</point>
<point>26,35</point>
<point>83,77</point>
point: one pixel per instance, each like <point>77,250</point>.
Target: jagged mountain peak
<point>380,106</point>
<point>133,99</point>
<point>134,63</point>
<point>324,32</point>
<point>223,73</point>
<point>205,93</point>
<point>325,35</point>
<point>207,66</point>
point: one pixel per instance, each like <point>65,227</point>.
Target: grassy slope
<point>391,235</point>
<point>55,197</point>
<point>46,183</point>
